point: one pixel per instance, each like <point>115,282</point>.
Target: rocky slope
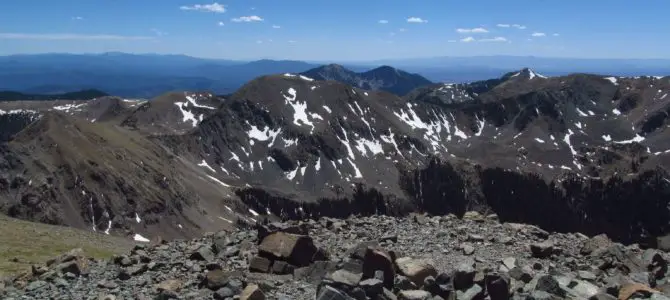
<point>579,153</point>
<point>383,78</point>
<point>378,257</point>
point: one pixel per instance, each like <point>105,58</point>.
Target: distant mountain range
<point>384,78</point>
<point>149,75</point>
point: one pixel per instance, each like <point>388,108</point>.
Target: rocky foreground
<point>378,257</point>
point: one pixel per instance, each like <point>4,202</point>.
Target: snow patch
<point>218,181</point>
<point>303,77</point>
<point>140,238</point>
<point>299,109</point>
<point>607,138</point>
<point>327,109</point>
<point>187,115</point>
<point>581,113</point>
<point>264,135</point>
<point>204,164</point>
<point>539,140</point>
<point>636,139</point>
<point>616,112</point>
<point>613,80</point>
<point>195,104</point>
<point>137,218</point>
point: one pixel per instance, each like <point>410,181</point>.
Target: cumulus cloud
<point>517,26</point>
<point>221,23</point>
<point>495,39</point>
<point>276,26</point>
<point>77,18</point>
<point>383,21</point>
<point>556,34</point>
<point>503,25</point>
<point>538,34</point>
<point>402,30</point>
<point>472,30</point>
<point>468,39</point>
<point>68,36</point>
<point>253,18</point>
<point>416,20</point>
<point>214,7</point>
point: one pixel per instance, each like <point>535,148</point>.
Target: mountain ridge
<point>287,146</point>
<point>384,78</point>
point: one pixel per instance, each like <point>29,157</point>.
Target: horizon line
<point>329,60</point>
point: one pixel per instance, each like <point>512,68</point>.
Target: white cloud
<point>253,18</point>
<point>158,32</point>
<point>495,39</point>
<point>221,23</point>
<point>556,34</point>
<point>416,20</point>
<point>291,42</point>
<point>383,21</point>
<point>472,30</point>
<point>391,33</point>
<point>77,18</point>
<point>468,39</point>
<point>402,30</point>
<point>68,36</point>
<point>276,26</point>
<point>214,7</point>
<point>518,26</point>
<point>452,41</point>
<point>503,25</point>
<point>259,42</point>
<point>538,34</point>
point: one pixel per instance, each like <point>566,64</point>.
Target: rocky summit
<point>376,257</point>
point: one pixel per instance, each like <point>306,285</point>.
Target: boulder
<point>379,260</point>
<point>215,280</point>
<point>260,264</point>
<point>298,250</point>
<point>415,269</point>
<point>252,292</point>
<point>542,250</point>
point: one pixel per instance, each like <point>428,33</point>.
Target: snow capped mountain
<point>561,152</point>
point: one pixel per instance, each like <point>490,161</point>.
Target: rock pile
<point>378,257</point>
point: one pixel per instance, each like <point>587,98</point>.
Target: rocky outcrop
<point>377,257</point>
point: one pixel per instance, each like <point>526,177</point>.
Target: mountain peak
<point>384,78</point>
<point>525,73</point>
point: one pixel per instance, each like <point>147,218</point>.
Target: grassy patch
<point>24,243</point>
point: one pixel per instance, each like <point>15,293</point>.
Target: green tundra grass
<point>24,243</point>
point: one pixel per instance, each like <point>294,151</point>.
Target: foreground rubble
<point>379,257</point>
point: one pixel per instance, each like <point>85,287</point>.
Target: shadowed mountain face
<point>384,78</point>
<point>574,153</point>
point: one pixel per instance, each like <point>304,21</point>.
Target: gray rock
<point>345,278</point>
<point>372,286</point>
<point>413,295</point>
<point>468,249</point>
<point>331,293</point>
<point>224,293</point>
<point>542,250</point>
<point>474,292</point>
<point>260,264</point>
<point>549,284</point>
<point>464,276</point>
<point>415,269</point>
<point>204,253</point>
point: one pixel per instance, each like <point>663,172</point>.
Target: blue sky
<point>339,30</point>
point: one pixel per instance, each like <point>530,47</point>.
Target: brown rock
<point>252,292</point>
<point>170,285</point>
<point>215,280</point>
<point>629,289</point>
<point>298,250</point>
